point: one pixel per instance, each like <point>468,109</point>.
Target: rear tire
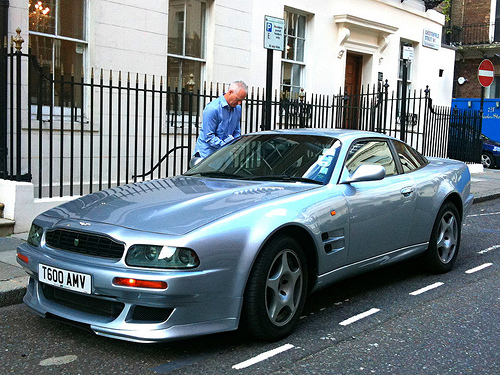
<point>445,240</point>
<point>276,290</point>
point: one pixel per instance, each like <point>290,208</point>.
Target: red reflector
<point>24,258</point>
<point>122,281</point>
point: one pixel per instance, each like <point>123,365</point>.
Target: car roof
<point>342,134</point>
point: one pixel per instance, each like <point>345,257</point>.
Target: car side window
<point>409,158</point>
<point>371,152</point>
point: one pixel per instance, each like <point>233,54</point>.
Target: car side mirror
<point>365,172</point>
<point>195,160</point>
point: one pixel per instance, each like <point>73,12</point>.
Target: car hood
<point>173,205</point>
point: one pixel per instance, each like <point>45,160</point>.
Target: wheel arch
<point>456,200</point>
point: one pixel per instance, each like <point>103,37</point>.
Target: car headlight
<point>35,235</point>
<point>161,257</point>
<point>496,148</point>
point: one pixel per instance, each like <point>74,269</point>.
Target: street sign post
<point>486,73</point>
<point>274,40</point>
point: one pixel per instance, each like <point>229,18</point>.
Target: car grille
<point>84,243</point>
<point>83,303</point>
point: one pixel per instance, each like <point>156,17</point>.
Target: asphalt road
<point>399,320</point>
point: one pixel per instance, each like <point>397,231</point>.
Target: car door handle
<point>407,191</point>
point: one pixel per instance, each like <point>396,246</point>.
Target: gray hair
<point>236,86</point>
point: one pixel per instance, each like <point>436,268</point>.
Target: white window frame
<point>183,56</point>
<point>302,64</point>
<point>57,109</point>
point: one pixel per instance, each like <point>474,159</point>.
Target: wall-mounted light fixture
<point>469,104</point>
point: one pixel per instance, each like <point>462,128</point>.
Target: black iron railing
<point>73,135</point>
<point>471,34</point>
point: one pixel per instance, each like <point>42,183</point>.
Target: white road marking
<point>487,214</point>
<point>489,249</point>
<point>479,268</point>
<point>359,317</point>
<point>263,356</point>
<point>426,289</point>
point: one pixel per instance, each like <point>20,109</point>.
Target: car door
<point>380,212</point>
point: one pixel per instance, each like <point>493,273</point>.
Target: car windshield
<point>278,157</point>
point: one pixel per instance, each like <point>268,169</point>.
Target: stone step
<point>6,227</point>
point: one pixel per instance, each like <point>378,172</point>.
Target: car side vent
<point>84,243</point>
<point>333,241</point>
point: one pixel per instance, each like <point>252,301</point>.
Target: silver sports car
<point>243,237</point>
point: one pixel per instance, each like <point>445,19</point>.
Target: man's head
<point>236,93</point>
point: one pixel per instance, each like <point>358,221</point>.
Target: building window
<point>493,92</point>
<point>57,34</point>
<point>409,72</point>
<point>292,62</point>
<point>496,26</point>
<point>186,42</point>
<point>409,69</point>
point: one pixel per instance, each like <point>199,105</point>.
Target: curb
<point>486,198</point>
<point>12,291</point>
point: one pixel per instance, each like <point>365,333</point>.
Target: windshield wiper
<point>283,178</point>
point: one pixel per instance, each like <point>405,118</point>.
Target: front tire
<point>276,290</point>
<point>445,240</point>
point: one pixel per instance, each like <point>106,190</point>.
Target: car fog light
<point>150,256</point>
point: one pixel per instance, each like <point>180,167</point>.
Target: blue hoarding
<point>491,114</point>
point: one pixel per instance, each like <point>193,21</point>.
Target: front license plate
<point>78,282</point>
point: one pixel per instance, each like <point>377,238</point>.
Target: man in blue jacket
<point>221,120</point>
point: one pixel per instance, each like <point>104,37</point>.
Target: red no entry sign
<point>486,73</point>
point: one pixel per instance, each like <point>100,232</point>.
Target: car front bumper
<point>188,307</point>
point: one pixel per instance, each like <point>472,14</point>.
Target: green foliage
<point>446,8</point>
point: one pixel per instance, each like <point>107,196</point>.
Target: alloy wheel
<point>284,287</point>
<point>447,237</point>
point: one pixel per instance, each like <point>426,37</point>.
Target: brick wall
<point>468,70</point>
<point>457,12</point>
<point>476,11</point>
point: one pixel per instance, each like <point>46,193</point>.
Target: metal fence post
<point>18,41</point>
<point>4,25</point>
<point>190,85</point>
<point>403,100</point>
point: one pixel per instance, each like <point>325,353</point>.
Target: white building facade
<point>329,44</point>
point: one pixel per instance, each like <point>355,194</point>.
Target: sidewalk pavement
<point>13,278</point>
